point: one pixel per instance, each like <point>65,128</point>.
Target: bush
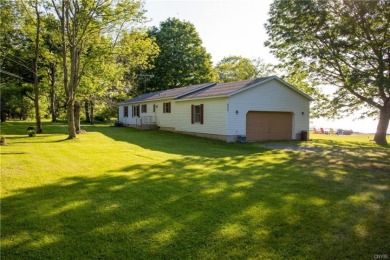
<point>118,124</point>
<point>3,141</point>
<point>99,118</point>
<point>31,131</point>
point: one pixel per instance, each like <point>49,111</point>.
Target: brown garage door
<point>262,126</point>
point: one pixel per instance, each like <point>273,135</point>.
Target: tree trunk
<point>77,110</point>
<point>69,90</point>
<point>86,106</point>
<point>70,118</point>
<point>36,98</point>
<point>35,72</point>
<point>91,114</point>
<point>22,107</point>
<point>74,72</point>
<point>3,115</point>
<point>53,107</point>
<point>383,124</point>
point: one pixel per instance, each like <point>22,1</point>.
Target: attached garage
<point>262,125</point>
<point>254,110</point>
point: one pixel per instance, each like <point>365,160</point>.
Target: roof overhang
<point>198,98</point>
<point>198,89</point>
<point>268,80</point>
<point>181,97</point>
<point>124,103</point>
<point>151,99</point>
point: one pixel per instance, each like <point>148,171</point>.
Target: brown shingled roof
<point>224,89</point>
<point>178,92</point>
<point>206,90</point>
<point>170,93</point>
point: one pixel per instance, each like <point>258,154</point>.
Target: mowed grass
<point>123,193</point>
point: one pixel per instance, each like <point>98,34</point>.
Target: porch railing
<point>148,120</point>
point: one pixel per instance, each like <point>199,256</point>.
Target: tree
<point>137,53</point>
<point>341,43</point>
<point>262,69</point>
<point>300,79</point>
<point>182,59</point>
<point>235,68</point>
<point>19,40</point>
<point>32,10</point>
<point>52,65</point>
<point>81,23</point>
<point>101,75</point>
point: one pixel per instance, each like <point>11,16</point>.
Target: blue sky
<point>236,27</point>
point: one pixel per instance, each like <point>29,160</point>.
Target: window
<point>125,111</point>
<point>135,110</point>
<point>197,114</point>
<point>167,107</point>
<point>144,108</point>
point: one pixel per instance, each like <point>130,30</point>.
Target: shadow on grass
<point>243,206</point>
<point>10,153</point>
<point>217,200</point>
<point>41,138</point>
<point>174,143</point>
<point>20,127</point>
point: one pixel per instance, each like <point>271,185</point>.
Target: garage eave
<point>269,79</point>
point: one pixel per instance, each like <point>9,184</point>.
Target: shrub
<point>3,141</point>
<point>99,118</point>
<point>118,124</point>
<point>31,131</point>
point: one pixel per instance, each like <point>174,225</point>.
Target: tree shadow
<point>20,127</point>
<point>41,138</point>
<point>242,206</point>
<point>175,143</point>
<point>1,153</point>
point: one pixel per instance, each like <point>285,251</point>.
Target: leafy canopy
<point>235,68</point>
<point>182,59</point>
<point>340,43</point>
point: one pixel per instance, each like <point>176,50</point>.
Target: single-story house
<point>257,109</point>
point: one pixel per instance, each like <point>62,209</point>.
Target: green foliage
<point>300,78</point>
<point>17,54</point>
<point>107,55</point>
<point>340,43</point>
<point>31,131</point>
<point>90,20</point>
<point>182,59</point>
<point>3,140</point>
<point>16,100</point>
<point>235,68</point>
<point>121,193</point>
<point>137,52</point>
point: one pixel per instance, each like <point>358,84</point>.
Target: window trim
<point>167,107</point>
<point>197,117</point>
<point>144,108</point>
<point>135,111</point>
<point>125,111</point>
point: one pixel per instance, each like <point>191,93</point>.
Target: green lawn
<point>124,193</point>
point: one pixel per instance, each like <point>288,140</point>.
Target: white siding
<point>125,120</point>
<point>120,114</point>
<point>166,120</point>
<point>220,116</point>
<point>270,96</point>
<point>214,116</point>
<point>130,120</point>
